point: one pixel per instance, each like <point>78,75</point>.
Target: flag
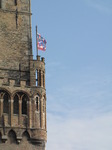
<point>41,42</point>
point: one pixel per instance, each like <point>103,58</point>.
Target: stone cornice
<point>14,11</point>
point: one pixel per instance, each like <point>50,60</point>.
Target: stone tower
<point>22,81</point>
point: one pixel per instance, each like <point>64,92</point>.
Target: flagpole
<point>36,41</point>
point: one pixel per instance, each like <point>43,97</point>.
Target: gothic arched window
<point>39,77</point>
<point>6,103</point>
<point>15,1</point>
<point>37,103</point>
<point>24,105</point>
<point>36,77</point>
<point>11,137</point>
<point>16,105</point>
<point>0,3</point>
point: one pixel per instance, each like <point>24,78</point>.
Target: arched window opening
<point>11,137</point>
<point>6,103</point>
<point>15,1</point>
<point>16,105</point>
<point>0,3</point>
<point>39,77</point>
<point>25,137</point>
<point>36,77</point>
<point>37,103</point>
<point>24,105</point>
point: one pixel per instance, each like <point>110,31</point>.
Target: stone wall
<point>22,81</point>
<point>15,35</point>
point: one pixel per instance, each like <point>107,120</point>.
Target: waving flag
<point>41,42</point>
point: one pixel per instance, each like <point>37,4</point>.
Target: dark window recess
<point>36,77</point>
<point>16,105</point>
<point>15,1</point>
<point>0,3</point>
<point>12,137</point>
<point>24,105</point>
<point>16,18</point>
<point>39,77</point>
<point>37,103</point>
<point>6,103</point>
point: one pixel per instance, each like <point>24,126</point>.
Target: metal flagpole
<point>36,41</point>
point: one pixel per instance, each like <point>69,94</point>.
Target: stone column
<point>41,78</point>
<point>41,112</point>
<point>33,108</point>
<point>44,79</point>
<point>45,116</point>
<point>11,111</point>
<point>29,114</point>
<point>20,111</point>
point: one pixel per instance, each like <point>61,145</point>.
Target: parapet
<point>38,58</point>
<point>12,82</point>
<point>42,59</point>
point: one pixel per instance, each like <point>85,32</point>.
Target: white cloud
<point>79,134</point>
<point>80,113</point>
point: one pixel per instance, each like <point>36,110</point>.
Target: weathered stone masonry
<point>22,81</point>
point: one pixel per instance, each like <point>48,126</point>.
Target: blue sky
<point>78,71</point>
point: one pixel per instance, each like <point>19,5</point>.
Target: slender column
<point>33,105</point>
<point>41,112</point>
<point>11,111</point>
<point>29,113</point>
<point>44,79</point>
<point>41,78</point>
<point>45,116</point>
<point>1,107</point>
<point>20,111</point>
<point>44,109</point>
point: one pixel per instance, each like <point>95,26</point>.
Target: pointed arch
<point>3,90</point>
<point>37,102</point>
<point>26,134</point>
<point>5,96</point>
<point>11,137</point>
<point>6,103</point>
<point>38,93</point>
<point>23,97</point>
<point>20,93</point>
<point>25,137</point>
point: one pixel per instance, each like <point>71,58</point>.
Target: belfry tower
<point>22,81</point>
